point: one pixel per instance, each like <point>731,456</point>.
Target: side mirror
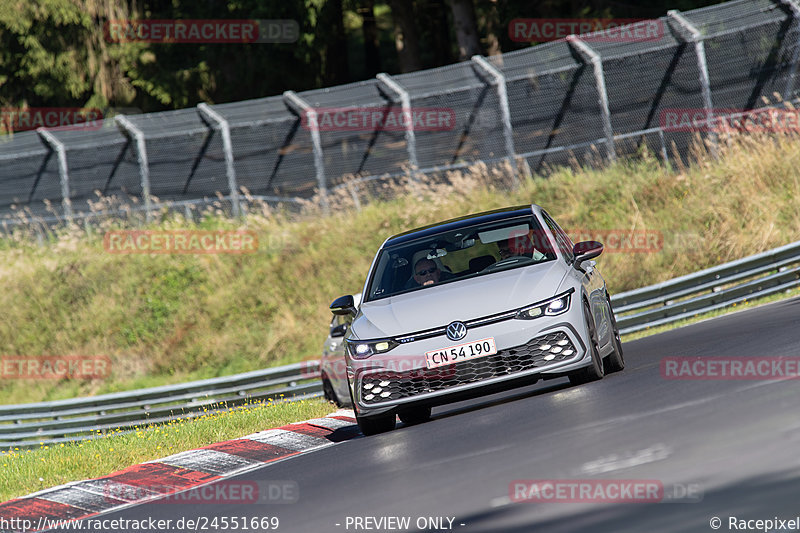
<point>339,331</point>
<point>586,250</point>
<point>344,305</point>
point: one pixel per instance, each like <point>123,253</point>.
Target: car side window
<point>562,240</point>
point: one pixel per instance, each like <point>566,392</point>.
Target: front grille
<point>538,352</point>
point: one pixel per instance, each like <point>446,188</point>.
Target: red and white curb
<point>179,472</point>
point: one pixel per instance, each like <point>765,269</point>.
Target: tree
<point>466,28</point>
<point>405,35</point>
<point>369,28</point>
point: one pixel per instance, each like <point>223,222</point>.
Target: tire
<point>329,393</point>
<point>614,362</point>
<point>415,415</point>
<point>595,371</point>
<point>376,424</point>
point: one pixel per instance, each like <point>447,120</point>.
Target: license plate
<point>461,352</point>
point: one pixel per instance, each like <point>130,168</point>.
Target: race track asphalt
<point>735,444</point>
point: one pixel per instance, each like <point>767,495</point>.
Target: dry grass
<point>170,318</point>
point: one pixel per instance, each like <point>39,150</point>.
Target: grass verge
<point>164,319</point>
<point>25,471</point>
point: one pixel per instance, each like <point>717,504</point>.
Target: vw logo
<point>456,331</point>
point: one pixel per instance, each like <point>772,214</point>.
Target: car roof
<point>461,222</point>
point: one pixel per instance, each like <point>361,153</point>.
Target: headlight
<point>551,307</point>
<point>364,349</point>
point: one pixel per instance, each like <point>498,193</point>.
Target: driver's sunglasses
<point>426,272</point>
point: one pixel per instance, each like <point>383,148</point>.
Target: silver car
<point>471,306</point>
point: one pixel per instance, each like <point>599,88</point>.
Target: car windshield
<point>459,254</point>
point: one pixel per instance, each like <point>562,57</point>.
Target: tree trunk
<point>372,57</point>
<point>405,35</point>
<point>336,68</point>
<point>466,29</point>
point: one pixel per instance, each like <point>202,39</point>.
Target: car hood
<point>460,300</point>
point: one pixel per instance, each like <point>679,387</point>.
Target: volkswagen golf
<point>471,306</point>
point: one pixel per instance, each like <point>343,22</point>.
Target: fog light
<point>369,386</point>
<point>569,352</point>
<point>376,390</point>
<point>385,394</point>
<point>549,356</point>
<point>556,349</point>
<point>369,396</point>
<point>384,383</point>
<point>545,347</point>
<point>563,342</point>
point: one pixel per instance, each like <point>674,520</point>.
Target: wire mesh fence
<point>583,99</point>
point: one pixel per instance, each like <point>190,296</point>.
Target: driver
<point>426,272</point>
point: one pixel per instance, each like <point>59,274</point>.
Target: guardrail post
<point>795,8</point>
<point>222,125</point>
<point>594,58</point>
<point>405,102</point>
<point>293,101</point>
<point>693,35</point>
<point>63,170</point>
<point>141,155</point>
<point>505,111</point>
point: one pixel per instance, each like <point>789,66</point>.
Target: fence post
<point>63,170</point>
<point>405,102</point>
<point>594,58</point>
<point>505,110</point>
<point>141,155</point>
<point>795,8</point>
<point>293,101</point>
<point>222,125</point>
<point>693,35</point>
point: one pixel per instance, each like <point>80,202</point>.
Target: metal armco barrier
<point>721,286</point>
<point>30,425</point>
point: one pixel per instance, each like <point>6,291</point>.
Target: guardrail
<point>751,277</point>
<point>30,425</point>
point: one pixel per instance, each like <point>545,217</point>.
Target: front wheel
<point>594,371</point>
<point>375,424</point>
<point>329,393</point>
